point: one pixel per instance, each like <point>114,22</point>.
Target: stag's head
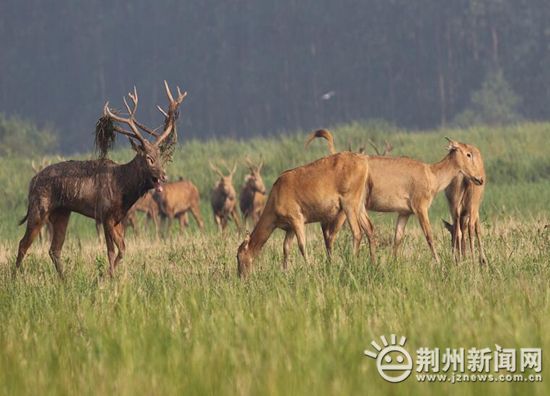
<point>468,160</point>
<point>254,179</point>
<point>225,182</point>
<point>244,258</point>
<point>150,155</point>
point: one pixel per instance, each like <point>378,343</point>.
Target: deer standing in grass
<point>327,191</point>
<point>252,199</point>
<point>408,186</point>
<point>100,189</point>
<point>147,205</point>
<point>224,199</point>
<point>464,198</point>
<point>178,198</point>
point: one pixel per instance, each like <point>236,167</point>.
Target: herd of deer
<point>340,187</point>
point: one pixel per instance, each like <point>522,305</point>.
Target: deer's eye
<point>469,155</point>
<point>150,160</point>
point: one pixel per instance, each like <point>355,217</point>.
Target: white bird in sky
<point>328,95</point>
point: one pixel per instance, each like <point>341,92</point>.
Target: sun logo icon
<point>393,361</point>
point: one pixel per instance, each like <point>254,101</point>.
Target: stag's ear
<point>135,146</point>
<point>453,145</point>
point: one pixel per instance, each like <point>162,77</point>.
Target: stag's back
<point>315,190</point>
<point>79,186</point>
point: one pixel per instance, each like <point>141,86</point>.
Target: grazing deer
<point>100,189</point>
<point>224,199</point>
<point>407,186</point>
<point>464,198</point>
<point>327,191</point>
<point>253,197</point>
<point>178,198</point>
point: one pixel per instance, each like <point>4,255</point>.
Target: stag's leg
<point>236,219</point>
<point>98,229</point>
<point>59,220</point>
<point>182,218</point>
<point>300,231</point>
<point>195,211</point>
<point>330,230</point>
<point>368,228</point>
<point>118,239</point>
<point>399,231</point>
<point>34,224</point>
<point>109,240</point>
<point>424,221</point>
<point>289,237</point>
<point>482,258</point>
<point>353,220</point>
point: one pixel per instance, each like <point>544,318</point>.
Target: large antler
<point>171,114</point>
<point>130,121</point>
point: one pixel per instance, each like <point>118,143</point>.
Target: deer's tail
<point>323,133</point>
<point>24,218</point>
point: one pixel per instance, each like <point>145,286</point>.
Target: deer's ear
<point>453,145</point>
<point>135,146</point>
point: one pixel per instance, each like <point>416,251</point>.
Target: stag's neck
<point>260,234</point>
<point>445,171</point>
<point>132,182</point>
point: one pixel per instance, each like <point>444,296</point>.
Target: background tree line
<point>258,67</point>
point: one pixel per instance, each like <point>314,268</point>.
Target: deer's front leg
<point>111,254</point>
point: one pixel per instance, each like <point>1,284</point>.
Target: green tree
<point>22,137</point>
<point>495,103</point>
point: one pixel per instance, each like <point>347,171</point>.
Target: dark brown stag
<point>100,189</point>
<point>224,199</point>
<point>252,199</point>
<point>178,198</point>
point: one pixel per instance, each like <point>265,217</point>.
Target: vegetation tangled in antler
<point>104,135</point>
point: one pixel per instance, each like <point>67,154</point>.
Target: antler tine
<point>128,121</point>
<point>168,92</point>
<point>162,111</point>
<point>234,169</point>
<point>181,95</point>
<point>215,169</point>
<point>374,146</point>
<point>249,163</point>
<point>171,114</point>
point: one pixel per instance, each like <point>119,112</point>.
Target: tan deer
<point>100,189</point>
<point>178,198</point>
<point>464,199</point>
<point>253,197</point>
<point>327,191</point>
<point>149,207</point>
<point>408,186</point>
<point>224,199</point>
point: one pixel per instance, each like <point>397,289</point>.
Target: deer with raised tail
<point>100,189</point>
<point>408,186</point>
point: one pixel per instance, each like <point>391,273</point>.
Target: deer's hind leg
<point>59,220</point>
<point>35,221</point>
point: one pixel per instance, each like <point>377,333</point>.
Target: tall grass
<point>176,320</point>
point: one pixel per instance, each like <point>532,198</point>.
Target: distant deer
<point>147,205</point>
<point>407,186</point>
<point>327,191</point>
<point>252,197</point>
<point>100,189</point>
<point>178,198</point>
<point>224,199</point>
<point>464,198</point>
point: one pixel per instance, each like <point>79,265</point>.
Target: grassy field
<point>176,320</point>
